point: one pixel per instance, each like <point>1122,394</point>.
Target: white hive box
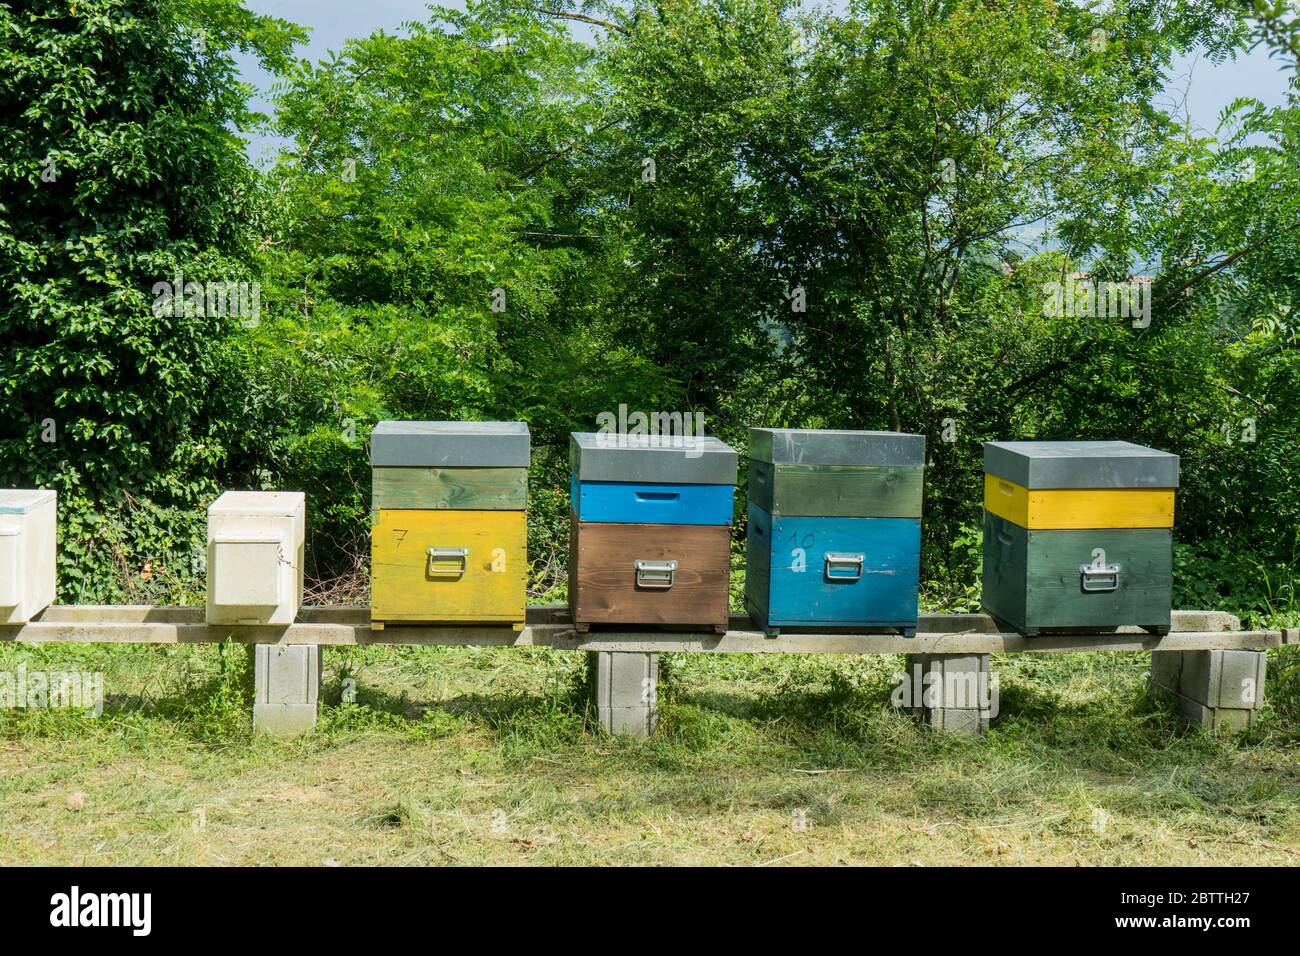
<point>27,551</point>
<point>255,552</point>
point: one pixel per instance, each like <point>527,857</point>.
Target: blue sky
<point>1204,87</point>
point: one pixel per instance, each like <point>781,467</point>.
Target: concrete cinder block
<point>1218,690</point>
<point>625,689</point>
<point>955,681</point>
<point>1231,679</point>
<point>1241,679</point>
<point>1166,669</point>
<point>1216,719</point>
<point>286,688</point>
<point>958,686</point>
<point>959,721</point>
<point>637,721</point>
<point>284,720</point>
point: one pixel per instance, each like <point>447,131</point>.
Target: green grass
<point>485,755</point>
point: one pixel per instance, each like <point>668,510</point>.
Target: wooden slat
<point>466,489</point>
<point>549,627</point>
<point>857,491</point>
<point>550,614</point>
<point>753,642</point>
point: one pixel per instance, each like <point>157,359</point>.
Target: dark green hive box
<point>1078,578</point>
<point>830,473</point>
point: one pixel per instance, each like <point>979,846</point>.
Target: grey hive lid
<point>814,446</point>
<point>450,444</point>
<point>19,501</point>
<point>1080,464</point>
<point>690,460</point>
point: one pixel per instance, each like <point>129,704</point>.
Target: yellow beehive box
<point>448,566</point>
<point>448,539</point>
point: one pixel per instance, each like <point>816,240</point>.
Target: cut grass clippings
<point>487,755</point>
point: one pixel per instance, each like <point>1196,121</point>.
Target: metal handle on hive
<point>655,574</point>
<point>448,554</point>
<point>1106,574</point>
<point>835,559</point>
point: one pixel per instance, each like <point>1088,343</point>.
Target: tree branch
<point>1222,264</point>
<point>580,17</point>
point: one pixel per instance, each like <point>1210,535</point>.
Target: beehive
<point>1078,534</point>
<point>650,530</point>
<point>255,557</point>
<point>834,536</point>
<point>448,522</point>
<point>28,520</point>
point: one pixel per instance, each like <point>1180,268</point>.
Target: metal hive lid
<point>1081,464</point>
<point>656,459</point>
<point>827,446</point>
<point>450,444</point>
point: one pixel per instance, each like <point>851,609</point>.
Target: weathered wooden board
<point>466,489</point>
<point>1060,508</point>
<point>549,627</point>
<point>539,614</point>
<point>487,584</point>
<point>858,491</point>
<point>603,587</point>
<point>1032,579</point>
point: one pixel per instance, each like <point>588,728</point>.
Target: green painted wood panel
<point>1003,582</point>
<point>836,491</point>
<point>1032,579</point>
<point>461,489</point>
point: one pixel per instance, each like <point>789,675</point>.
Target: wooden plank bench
<point>1213,668</point>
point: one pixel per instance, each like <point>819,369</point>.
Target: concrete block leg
<point>1218,690</point>
<point>286,688</point>
<point>952,692</point>
<point>625,689</point>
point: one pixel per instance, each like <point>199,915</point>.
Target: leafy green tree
<point>119,168</point>
<point>431,255</point>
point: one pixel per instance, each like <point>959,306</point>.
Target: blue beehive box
<point>651,530</point>
<point>834,538</point>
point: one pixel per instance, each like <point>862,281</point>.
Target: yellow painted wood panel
<point>407,585</point>
<point>1051,508</point>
